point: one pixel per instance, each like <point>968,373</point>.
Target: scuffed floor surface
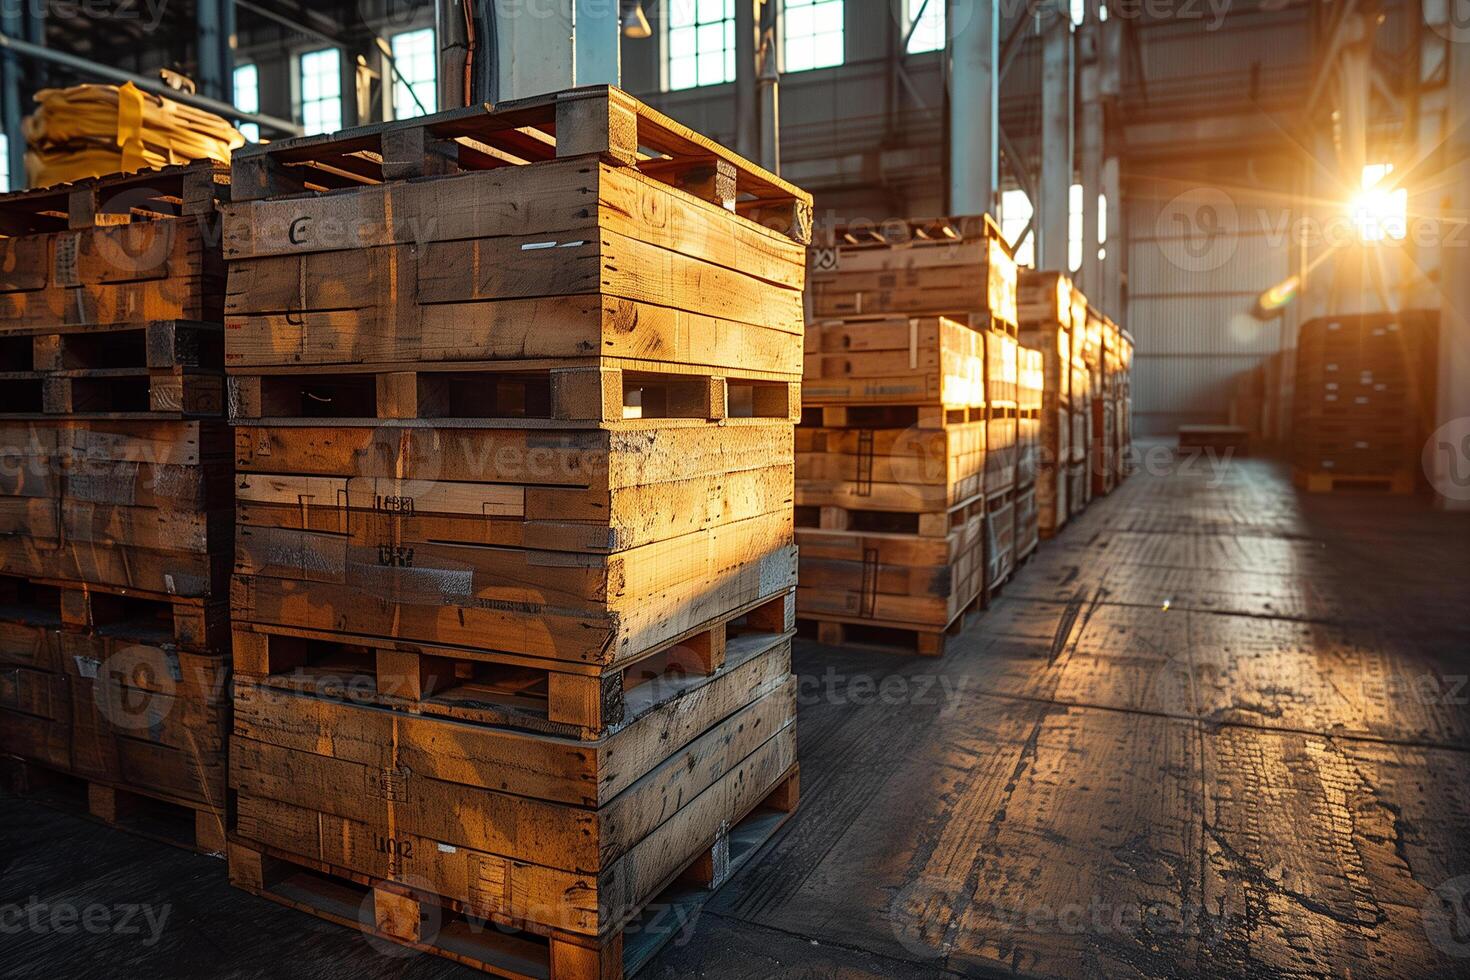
<point>1214,729</point>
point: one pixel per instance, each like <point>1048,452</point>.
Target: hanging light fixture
<point>635,22</point>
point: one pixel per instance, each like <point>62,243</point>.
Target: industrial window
<point>321,90</point>
<point>416,79</point>
<point>1074,228</point>
<point>1380,210</point>
<point>247,98</point>
<point>1078,11</point>
<point>701,43</point>
<point>1015,215</point>
<point>1102,227</point>
<point>813,34</point>
<point>925,22</point>
<point>4,164</point>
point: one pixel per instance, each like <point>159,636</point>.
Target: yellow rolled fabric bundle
<point>93,130</point>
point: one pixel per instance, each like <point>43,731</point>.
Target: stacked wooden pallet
<point>115,511</point>
<point>898,449</point>
<point>514,392</point>
<point>890,504</point>
<point>1365,401</point>
<point>1030,396</point>
<point>1123,400</point>
<point>1002,452</point>
<point>1046,309</point>
<point>1099,355</point>
<point>1079,480</point>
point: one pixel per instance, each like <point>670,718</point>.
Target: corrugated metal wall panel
<point>1190,294</point>
<point>1172,391</point>
<point>1203,325</point>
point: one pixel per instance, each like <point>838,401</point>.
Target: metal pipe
<point>28,50</point>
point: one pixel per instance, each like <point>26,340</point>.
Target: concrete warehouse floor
<point>1216,728</point>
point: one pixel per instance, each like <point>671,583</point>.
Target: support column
<point>1091,153</point>
<point>974,106</point>
<point>768,51</point>
<point>1054,191</point>
<point>1451,450</point>
<point>12,23</point>
<point>747,84</point>
<point>597,39</point>
<point>1115,264</point>
<point>216,48</point>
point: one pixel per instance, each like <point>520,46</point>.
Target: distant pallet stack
<point>1002,452</point>
<point>909,318</point>
<point>1123,399</point>
<point>1030,396</point>
<point>890,502</point>
<point>515,574</point>
<point>115,515</point>
<point>1365,401</point>
<point>1099,353</point>
<point>1079,482</point>
<point>1046,307</point>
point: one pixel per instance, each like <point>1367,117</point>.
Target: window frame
<point>235,98</point>
<point>391,79</point>
<point>298,87</point>
<point>786,68</point>
<point>731,67</point>
<point>909,18</point>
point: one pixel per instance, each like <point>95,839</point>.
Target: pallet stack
<point>1030,396</point>
<point>1365,401</point>
<point>115,537</point>
<point>1002,452</point>
<point>1046,305</point>
<point>514,393</point>
<point>898,449</point>
<point>1079,481</point>
<point>1099,355</point>
<point>1123,392</point>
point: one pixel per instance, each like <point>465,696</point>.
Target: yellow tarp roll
<point>93,130</point>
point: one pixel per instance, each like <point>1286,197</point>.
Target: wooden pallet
<point>516,825</point>
<point>885,635</point>
<point>138,504</point>
<point>1000,542</point>
<point>915,266</point>
<point>111,612</point>
<point>168,369</point>
<point>596,120</point>
<point>512,395</point>
<point>125,248</point>
<point>487,687</point>
<point>925,472</point>
<point>935,362</point>
<point>1400,482</point>
<point>895,576</point>
<point>417,919</point>
<point>1215,438</point>
<point>1028,523</point>
<point>156,816</point>
<point>116,688</point>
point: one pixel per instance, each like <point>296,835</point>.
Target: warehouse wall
<point>1202,248</point>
